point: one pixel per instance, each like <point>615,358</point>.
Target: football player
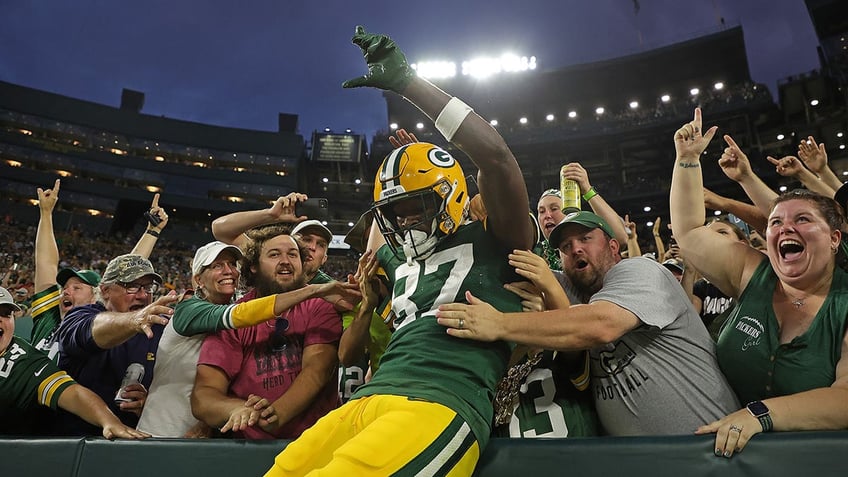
<point>428,409</point>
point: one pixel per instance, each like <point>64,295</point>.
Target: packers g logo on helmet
<point>416,170</point>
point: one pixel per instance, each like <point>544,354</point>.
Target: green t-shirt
<point>422,361</point>
<point>749,352</point>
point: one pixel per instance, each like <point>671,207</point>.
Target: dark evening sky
<point>239,64</point>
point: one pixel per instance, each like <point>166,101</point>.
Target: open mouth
<point>581,264</point>
<point>67,303</point>
<point>790,249</point>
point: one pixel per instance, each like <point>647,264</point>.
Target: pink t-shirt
<point>260,360</point>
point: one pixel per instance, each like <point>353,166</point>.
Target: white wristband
<point>452,117</point>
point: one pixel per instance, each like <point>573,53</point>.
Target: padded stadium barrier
<point>776,454</point>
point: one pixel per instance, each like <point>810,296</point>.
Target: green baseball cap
<point>88,276</point>
<point>584,218</point>
<point>128,268</point>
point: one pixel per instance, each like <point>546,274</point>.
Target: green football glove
<point>387,66</point>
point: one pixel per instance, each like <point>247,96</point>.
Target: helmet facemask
<point>424,186</point>
<point>425,220</point>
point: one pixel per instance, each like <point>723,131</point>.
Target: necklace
<point>798,303</point>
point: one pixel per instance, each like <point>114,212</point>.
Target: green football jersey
<point>422,361</point>
<point>46,319</point>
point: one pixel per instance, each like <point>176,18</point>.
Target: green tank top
<point>749,352</point>
<point>422,361</point>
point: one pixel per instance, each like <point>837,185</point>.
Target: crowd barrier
<point>776,454</point>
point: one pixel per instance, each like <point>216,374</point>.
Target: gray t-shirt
<point>662,377</point>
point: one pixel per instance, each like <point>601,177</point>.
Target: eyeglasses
<point>133,288</point>
<point>279,342</point>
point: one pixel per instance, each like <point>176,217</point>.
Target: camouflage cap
<point>128,268</point>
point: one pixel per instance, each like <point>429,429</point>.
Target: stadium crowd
<point>463,318</point>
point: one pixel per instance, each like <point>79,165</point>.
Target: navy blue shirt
<point>98,369</point>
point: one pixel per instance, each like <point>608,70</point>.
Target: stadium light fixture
<point>647,208</point>
<point>325,180</point>
<point>357,181</point>
<point>347,130</point>
<point>484,67</point>
<point>780,137</point>
<point>549,117</point>
<point>25,132</point>
<point>814,102</point>
<point>782,188</point>
<point>419,125</point>
<point>153,189</point>
<point>12,163</point>
<point>159,159</point>
<point>324,222</point>
<point>435,69</point>
<point>393,126</point>
<point>694,91</point>
<point>94,212</point>
<point>350,224</point>
<point>522,120</point>
<point>718,86</point>
<point>634,104</point>
<point>64,173</point>
<point>842,146</point>
<point>599,110</point>
<point>844,173</point>
<point>326,129</point>
<point>493,122</point>
<point>665,98</point>
<point>717,213</point>
<point>839,134</point>
<point>572,114</point>
<point>649,223</point>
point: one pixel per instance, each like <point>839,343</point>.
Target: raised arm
<point>720,260</point>
<point>658,241</point>
<point>815,157</point>
<point>499,179</point>
<point>750,214</point>
<point>790,166</point>
<point>230,228</point>
<point>577,173</point>
<point>633,248</point>
<point>735,165</point>
<point>46,250</point>
<point>157,219</point>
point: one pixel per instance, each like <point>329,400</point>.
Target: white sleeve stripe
<point>47,391</point>
<point>227,317</point>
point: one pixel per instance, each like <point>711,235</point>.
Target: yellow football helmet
<point>420,197</point>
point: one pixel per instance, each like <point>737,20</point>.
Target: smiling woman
<point>783,348</point>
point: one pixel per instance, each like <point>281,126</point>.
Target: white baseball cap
<point>6,299</point>
<point>322,230</point>
<point>208,253</point>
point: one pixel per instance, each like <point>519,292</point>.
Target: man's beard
<point>266,286</point>
<point>587,284</point>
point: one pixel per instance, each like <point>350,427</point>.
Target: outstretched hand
<point>157,312</point>
<point>477,320</point>
<point>387,65</point>
<point>403,138</point>
<point>787,166</point>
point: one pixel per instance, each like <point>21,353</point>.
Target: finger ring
<point>461,323</point>
<point>733,427</point>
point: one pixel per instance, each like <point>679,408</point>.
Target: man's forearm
<point>110,329</point>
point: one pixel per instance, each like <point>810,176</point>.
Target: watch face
<point>757,408</point>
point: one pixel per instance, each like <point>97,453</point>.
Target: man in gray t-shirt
<point>652,366</point>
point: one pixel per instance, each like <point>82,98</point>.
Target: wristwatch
<point>761,412</point>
